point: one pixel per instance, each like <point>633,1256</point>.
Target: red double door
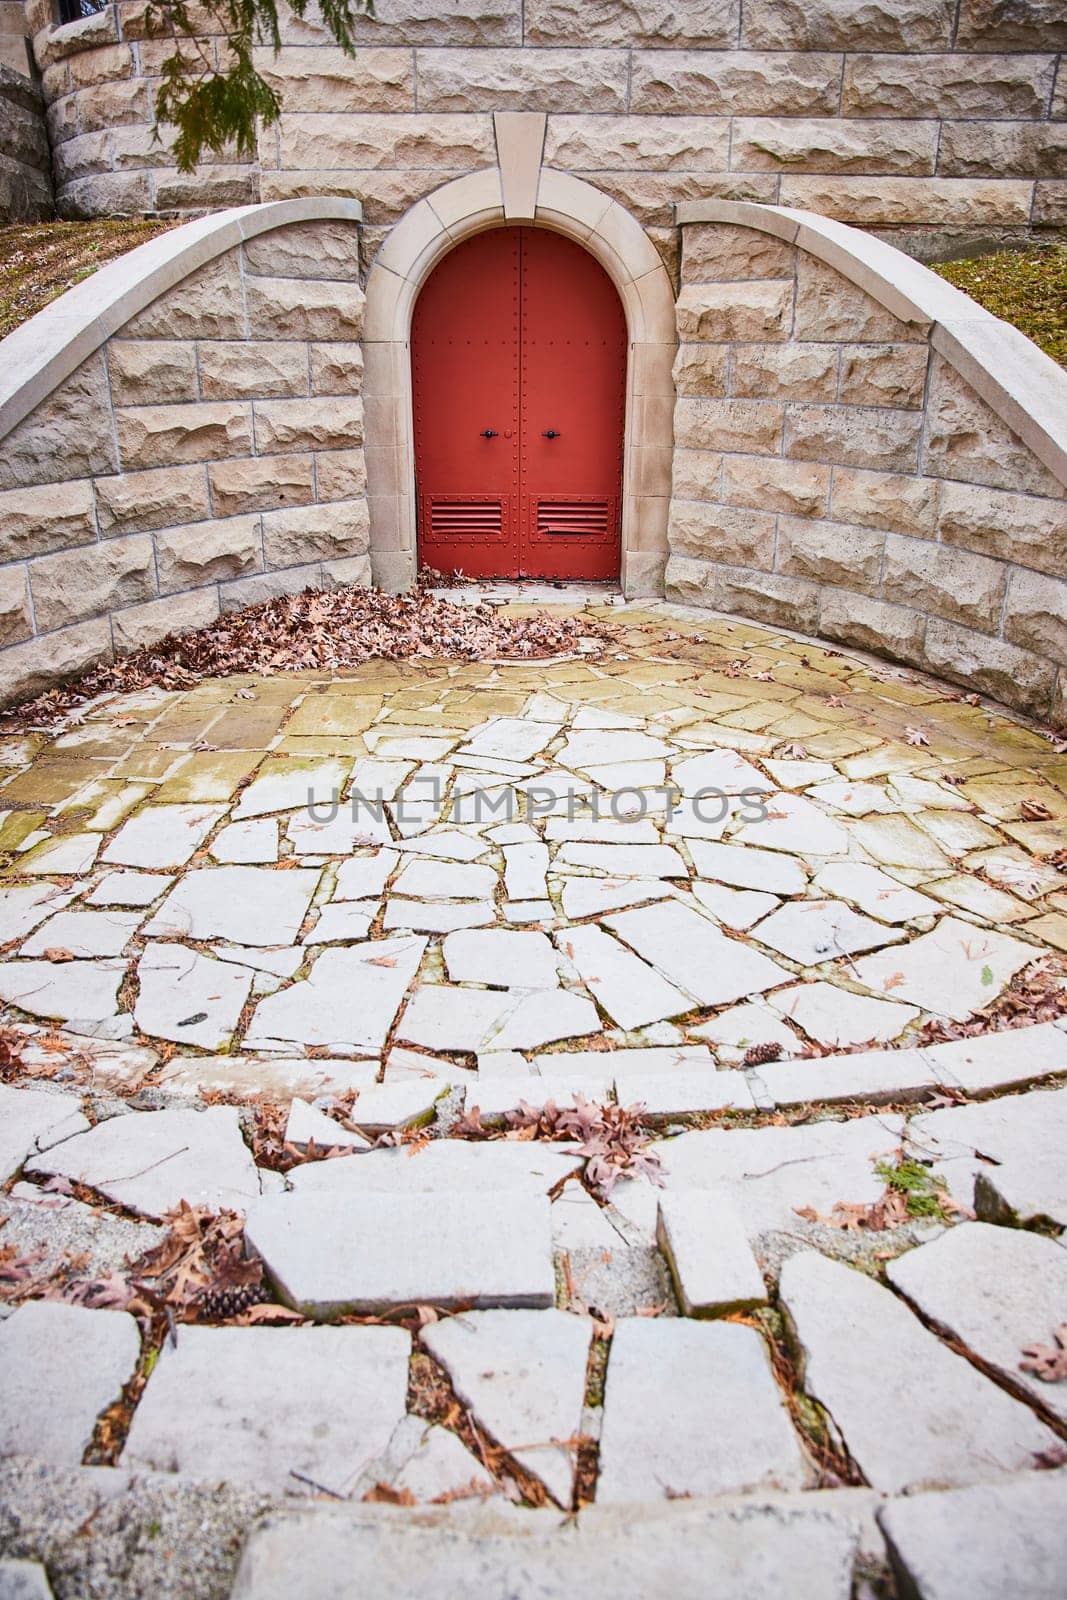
<point>518,368</point>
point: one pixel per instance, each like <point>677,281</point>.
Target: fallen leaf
<point>916,736</point>
<point>1047,1361</point>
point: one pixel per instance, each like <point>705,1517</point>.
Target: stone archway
<point>519,189</point>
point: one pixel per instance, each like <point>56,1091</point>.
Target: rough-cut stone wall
<point>207,456</point>
<point>25,163</point>
<point>835,475</point>
<point>929,119</point>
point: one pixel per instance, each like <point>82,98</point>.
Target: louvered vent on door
<point>466,519</point>
<point>582,519</point>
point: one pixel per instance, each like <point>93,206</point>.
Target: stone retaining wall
<point>836,474</point>
<point>934,119</point>
<point>209,454</point>
<point>25,161</point>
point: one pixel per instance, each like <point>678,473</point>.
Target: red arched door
<point>518,356</point>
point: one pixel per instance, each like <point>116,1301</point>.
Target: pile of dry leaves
<point>319,630</point>
<point>612,1138</point>
<point>1038,994</point>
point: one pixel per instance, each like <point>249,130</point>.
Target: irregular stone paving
<point>493,926</point>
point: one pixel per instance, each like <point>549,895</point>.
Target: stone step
<point>332,1253</point>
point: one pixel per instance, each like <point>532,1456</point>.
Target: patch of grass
<point>917,1182</point>
<point>40,261</point>
<point>1026,287</point>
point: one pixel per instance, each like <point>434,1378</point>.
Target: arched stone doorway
<point>520,190</point>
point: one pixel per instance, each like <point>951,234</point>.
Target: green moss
<point>1026,287</point>
<point>40,261</point>
<point>917,1182</point>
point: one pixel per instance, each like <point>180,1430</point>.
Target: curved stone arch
<point>429,230</point>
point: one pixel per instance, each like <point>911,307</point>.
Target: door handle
<point>550,433</point>
<point>488,433</point>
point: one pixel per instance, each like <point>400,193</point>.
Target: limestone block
<point>701,369</point>
<point>1050,201</point>
<point>658,144</point>
<point>832,552</point>
<point>853,437</point>
<point>341,474</point>
<point>207,187</point>
<point>352,570</point>
<point>671,82</point>
<point>206,552</point>
<point>522,80</point>
<point>885,500</point>
<point>261,483</point>
<point>1003,150</point>
<point>697,475</point>
<point>153,436</point>
<point>947,86</point>
<point>106,64</point>
<point>721,533</point>
<point>206,305</point>
<point>885,630</point>
<point>86,153</point>
<point>385,195</point>
<point>770,484</point>
<point>50,517</point>
<point>151,371</point>
<point>752,426</point>
<point>302,308</point>
<point>1036,614</point>
<point>54,43</point>
<point>67,436</point>
<point>110,193</point>
<point>830,307</point>
<point>316,424</point>
<point>719,252</point>
<point>883,375</point>
<point>965,439</point>
<point>137,501</point>
<point>336,368</point>
<point>265,586</point>
<point>781,600</point>
<point>1007,673</point>
<point>25,669</point>
<point>113,104</point>
<point>16,621</point>
<point>987,25</point>
<point>949,583</point>
<point>323,78</point>
<point>798,144</point>
<point>341,528</point>
<point>891,202</point>
<point>699,24</point>
<point>653,196</point>
<point>252,370</point>
<point>419,21</point>
<point>364,142</point>
<point>73,584</point>
<point>735,311</point>
<point>60,1366</point>
<point>784,371</point>
<point>835,25</point>
<point>1013,526</point>
<point>690,582</point>
<point>176,614</point>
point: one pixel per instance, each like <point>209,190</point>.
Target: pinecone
<point>225,1300</point>
<point>760,1055</point>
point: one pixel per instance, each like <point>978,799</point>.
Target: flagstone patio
<point>753,884</point>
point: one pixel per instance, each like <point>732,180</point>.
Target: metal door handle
<point>550,433</point>
<point>488,433</point>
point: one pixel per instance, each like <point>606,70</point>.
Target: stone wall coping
<point>1023,385</point>
<point>39,355</point>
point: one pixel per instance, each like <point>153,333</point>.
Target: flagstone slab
<point>523,1375</point>
<point>709,1255</point>
<point>24,906</point>
<point>630,990</point>
<point>427,879</point>
<point>624,860</point>
<point>317,833</point>
<point>352,995</point>
<point>271,1406</point>
<point>60,1366</point>
<point>247,843</point>
<point>442,1469</point>
<point>364,877</point>
<point>861,1349</point>
<point>983,1542</point>
<point>188,997</point>
<point>813,931</point>
<point>595,747</point>
<point>1004,1157</point>
<point>150,1161</point>
<point>578,1222</point>
<point>73,854</point>
<point>996,1291</point>
<point>795,825</point>
<point>770,1172</point>
<point>343,922</point>
<point>655,1061</point>
<point>162,836</point>
<point>509,738</point>
<point>525,865</point>
<point>737,1030</point>
<point>589,897</point>
<point>284,784</point>
<point>897,842</point>
<point>399,1103</point>
<point>447,1017</point>
<point>83,990</point>
<point>737,908</point>
<point>24,1580</point>
<point>129,889</point>
<point>444,1166</point>
<point>501,959</point>
<point>1017,871</point>
<point>749,868</point>
<point>724,771</point>
<point>952,971</point>
<point>874,891</point>
<point>695,955</point>
<point>307,1125</point>
<point>440,916</point>
<point>866,1075</point>
<point>834,1016</point>
<point>84,933</point>
<point>498,1094</point>
<point>329,1254</point>
<point>447,844</point>
<point>30,1121</point>
<point>692,1408</point>
<point>1002,1059</point>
